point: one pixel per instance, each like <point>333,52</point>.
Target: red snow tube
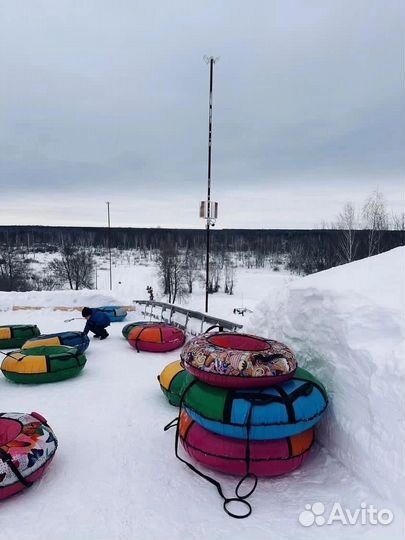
<point>159,337</point>
<point>240,457</point>
<point>234,360</point>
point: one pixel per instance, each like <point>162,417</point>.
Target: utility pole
<point>109,241</point>
<point>209,211</point>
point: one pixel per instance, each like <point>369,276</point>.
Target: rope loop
<point>240,501</point>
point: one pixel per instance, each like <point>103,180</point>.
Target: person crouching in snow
<point>96,322</point>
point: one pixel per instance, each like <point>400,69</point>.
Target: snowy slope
<point>115,476</point>
<point>347,325</point>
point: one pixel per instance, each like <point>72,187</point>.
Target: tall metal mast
<point>210,215</point>
<point>109,240</point>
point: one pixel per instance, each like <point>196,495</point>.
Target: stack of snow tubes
<point>246,408</point>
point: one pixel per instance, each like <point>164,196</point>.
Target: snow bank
<point>68,298</point>
<point>347,325</point>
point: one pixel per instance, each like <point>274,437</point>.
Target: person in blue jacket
<point>97,321</point>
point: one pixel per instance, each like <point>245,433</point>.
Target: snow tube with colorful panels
<point>156,337</point>
<point>115,313</point>
<point>130,326</point>
<point>43,364</point>
<point>171,382</point>
<point>15,335</point>
<point>71,339</point>
<point>274,412</point>
<point>240,457</point>
<point>27,447</point>
<point>234,360</point>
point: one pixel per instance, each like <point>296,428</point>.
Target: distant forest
<point>305,251</point>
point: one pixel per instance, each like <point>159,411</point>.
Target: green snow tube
<point>171,382</point>
<point>43,364</point>
<point>15,335</point>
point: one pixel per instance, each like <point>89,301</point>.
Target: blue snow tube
<point>71,339</point>
<point>274,412</point>
<point>115,313</point>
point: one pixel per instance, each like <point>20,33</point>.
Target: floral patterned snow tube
<point>240,457</point>
<point>27,446</point>
<point>234,360</point>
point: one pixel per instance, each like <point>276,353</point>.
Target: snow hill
<point>115,476</point>
<point>347,325</point>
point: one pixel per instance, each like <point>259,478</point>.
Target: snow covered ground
<point>115,475</point>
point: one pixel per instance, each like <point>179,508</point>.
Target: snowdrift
<point>49,299</point>
<point>347,326</point>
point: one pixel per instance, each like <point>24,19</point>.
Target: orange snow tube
<point>159,337</point>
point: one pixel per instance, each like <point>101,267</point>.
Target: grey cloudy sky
<point>107,100</point>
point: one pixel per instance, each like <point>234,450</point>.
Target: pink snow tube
<point>234,360</point>
<point>229,456</point>
<point>159,337</point>
<point>27,446</point>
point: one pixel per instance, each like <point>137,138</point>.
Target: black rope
<point>227,500</point>
<point>220,328</point>
<point>248,474</point>
<point>138,337</point>
<point>8,460</point>
<point>11,355</point>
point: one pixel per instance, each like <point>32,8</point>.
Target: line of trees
<point>180,254</point>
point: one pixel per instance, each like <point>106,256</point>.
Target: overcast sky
<point>108,100</point>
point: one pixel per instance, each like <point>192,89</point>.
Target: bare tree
<point>215,273</point>
<point>375,221</point>
<point>75,267</point>
<point>172,274</point>
<point>398,221</point>
<point>192,269</point>
<point>229,267</point>
<point>15,273</point>
<point>346,223</point>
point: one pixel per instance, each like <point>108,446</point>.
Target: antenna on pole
<point>208,209</point>
<point>109,240</point>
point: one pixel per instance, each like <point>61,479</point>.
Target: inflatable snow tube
<point>128,327</point>
<point>15,335</point>
<point>240,457</point>
<point>234,360</point>
<point>274,412</point>
<point>71,339</point>
<point>27,447</point>
<point>171,382</point>
<point>43,364</point>
<point>115,313</point>
<point>156,337</point>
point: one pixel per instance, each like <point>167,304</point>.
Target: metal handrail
<point>209,320</point>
